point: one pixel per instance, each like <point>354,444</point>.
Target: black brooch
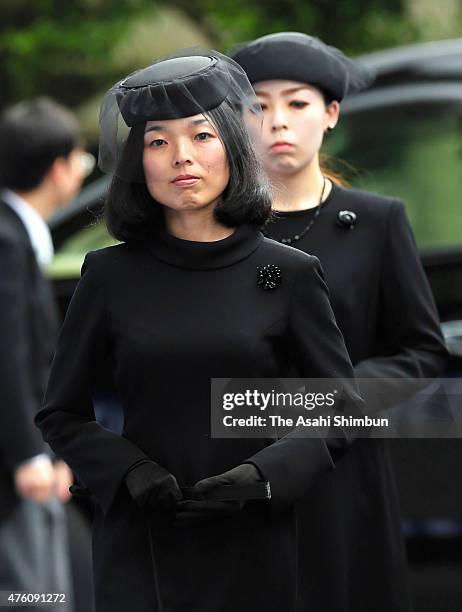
<point>346,219</point>
<point>269,277</point>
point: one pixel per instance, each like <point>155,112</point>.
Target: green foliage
<point>45,54</point>
<point>354,25</point>
<point>69,49</point>
<point>62,48</point>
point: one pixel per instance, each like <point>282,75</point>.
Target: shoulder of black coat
<point>8,233</point>
<point>282,254</point>
<point>112,255</point>
<point>13,235</point>
<point>365,202</point>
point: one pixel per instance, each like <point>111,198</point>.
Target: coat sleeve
<point>99,458</point>
<point>19,439</point>
<point>412,342</point>
<point>294,462</point>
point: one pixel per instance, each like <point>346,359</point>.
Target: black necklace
<point>299,236</point>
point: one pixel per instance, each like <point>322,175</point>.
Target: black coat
<point>351,555</point>
<point>29,327</point>
<point>170,315</point>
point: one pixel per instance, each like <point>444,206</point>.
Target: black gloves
<point>152,486</point>
<point>194,512</point>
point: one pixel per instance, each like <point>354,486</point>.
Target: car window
<point>69,256</point>
<point>413,151</point>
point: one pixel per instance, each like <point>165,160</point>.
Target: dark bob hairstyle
<point>132,213</point>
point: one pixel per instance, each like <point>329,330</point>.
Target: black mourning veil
<point>191,82</point>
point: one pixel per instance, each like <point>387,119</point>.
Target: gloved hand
<point>195,512</point>
<point>152,486</point>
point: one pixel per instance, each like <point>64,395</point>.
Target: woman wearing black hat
<point>351,557</point>
<point>193,292</point>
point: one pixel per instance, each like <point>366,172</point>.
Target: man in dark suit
<point>41,169</point>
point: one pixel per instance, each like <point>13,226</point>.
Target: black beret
<point>298,57</point>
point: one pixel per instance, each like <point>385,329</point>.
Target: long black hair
<point>131,211</point>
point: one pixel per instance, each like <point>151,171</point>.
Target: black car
<point>402,137</point>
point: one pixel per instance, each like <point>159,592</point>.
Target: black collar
<point>205,255</point>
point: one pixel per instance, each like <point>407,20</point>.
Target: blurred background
<point>401,137</point>
<point>392,135</point>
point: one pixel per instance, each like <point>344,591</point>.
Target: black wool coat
<point>351,555</point>
<point>170,314</point>
<point>29,329</point>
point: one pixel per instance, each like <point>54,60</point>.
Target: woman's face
<point>295,120</point>
<point>184,163</point>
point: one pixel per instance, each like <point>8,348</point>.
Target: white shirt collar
<point>37,229</point>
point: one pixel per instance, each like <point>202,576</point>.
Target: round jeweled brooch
<point>269,276</point>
